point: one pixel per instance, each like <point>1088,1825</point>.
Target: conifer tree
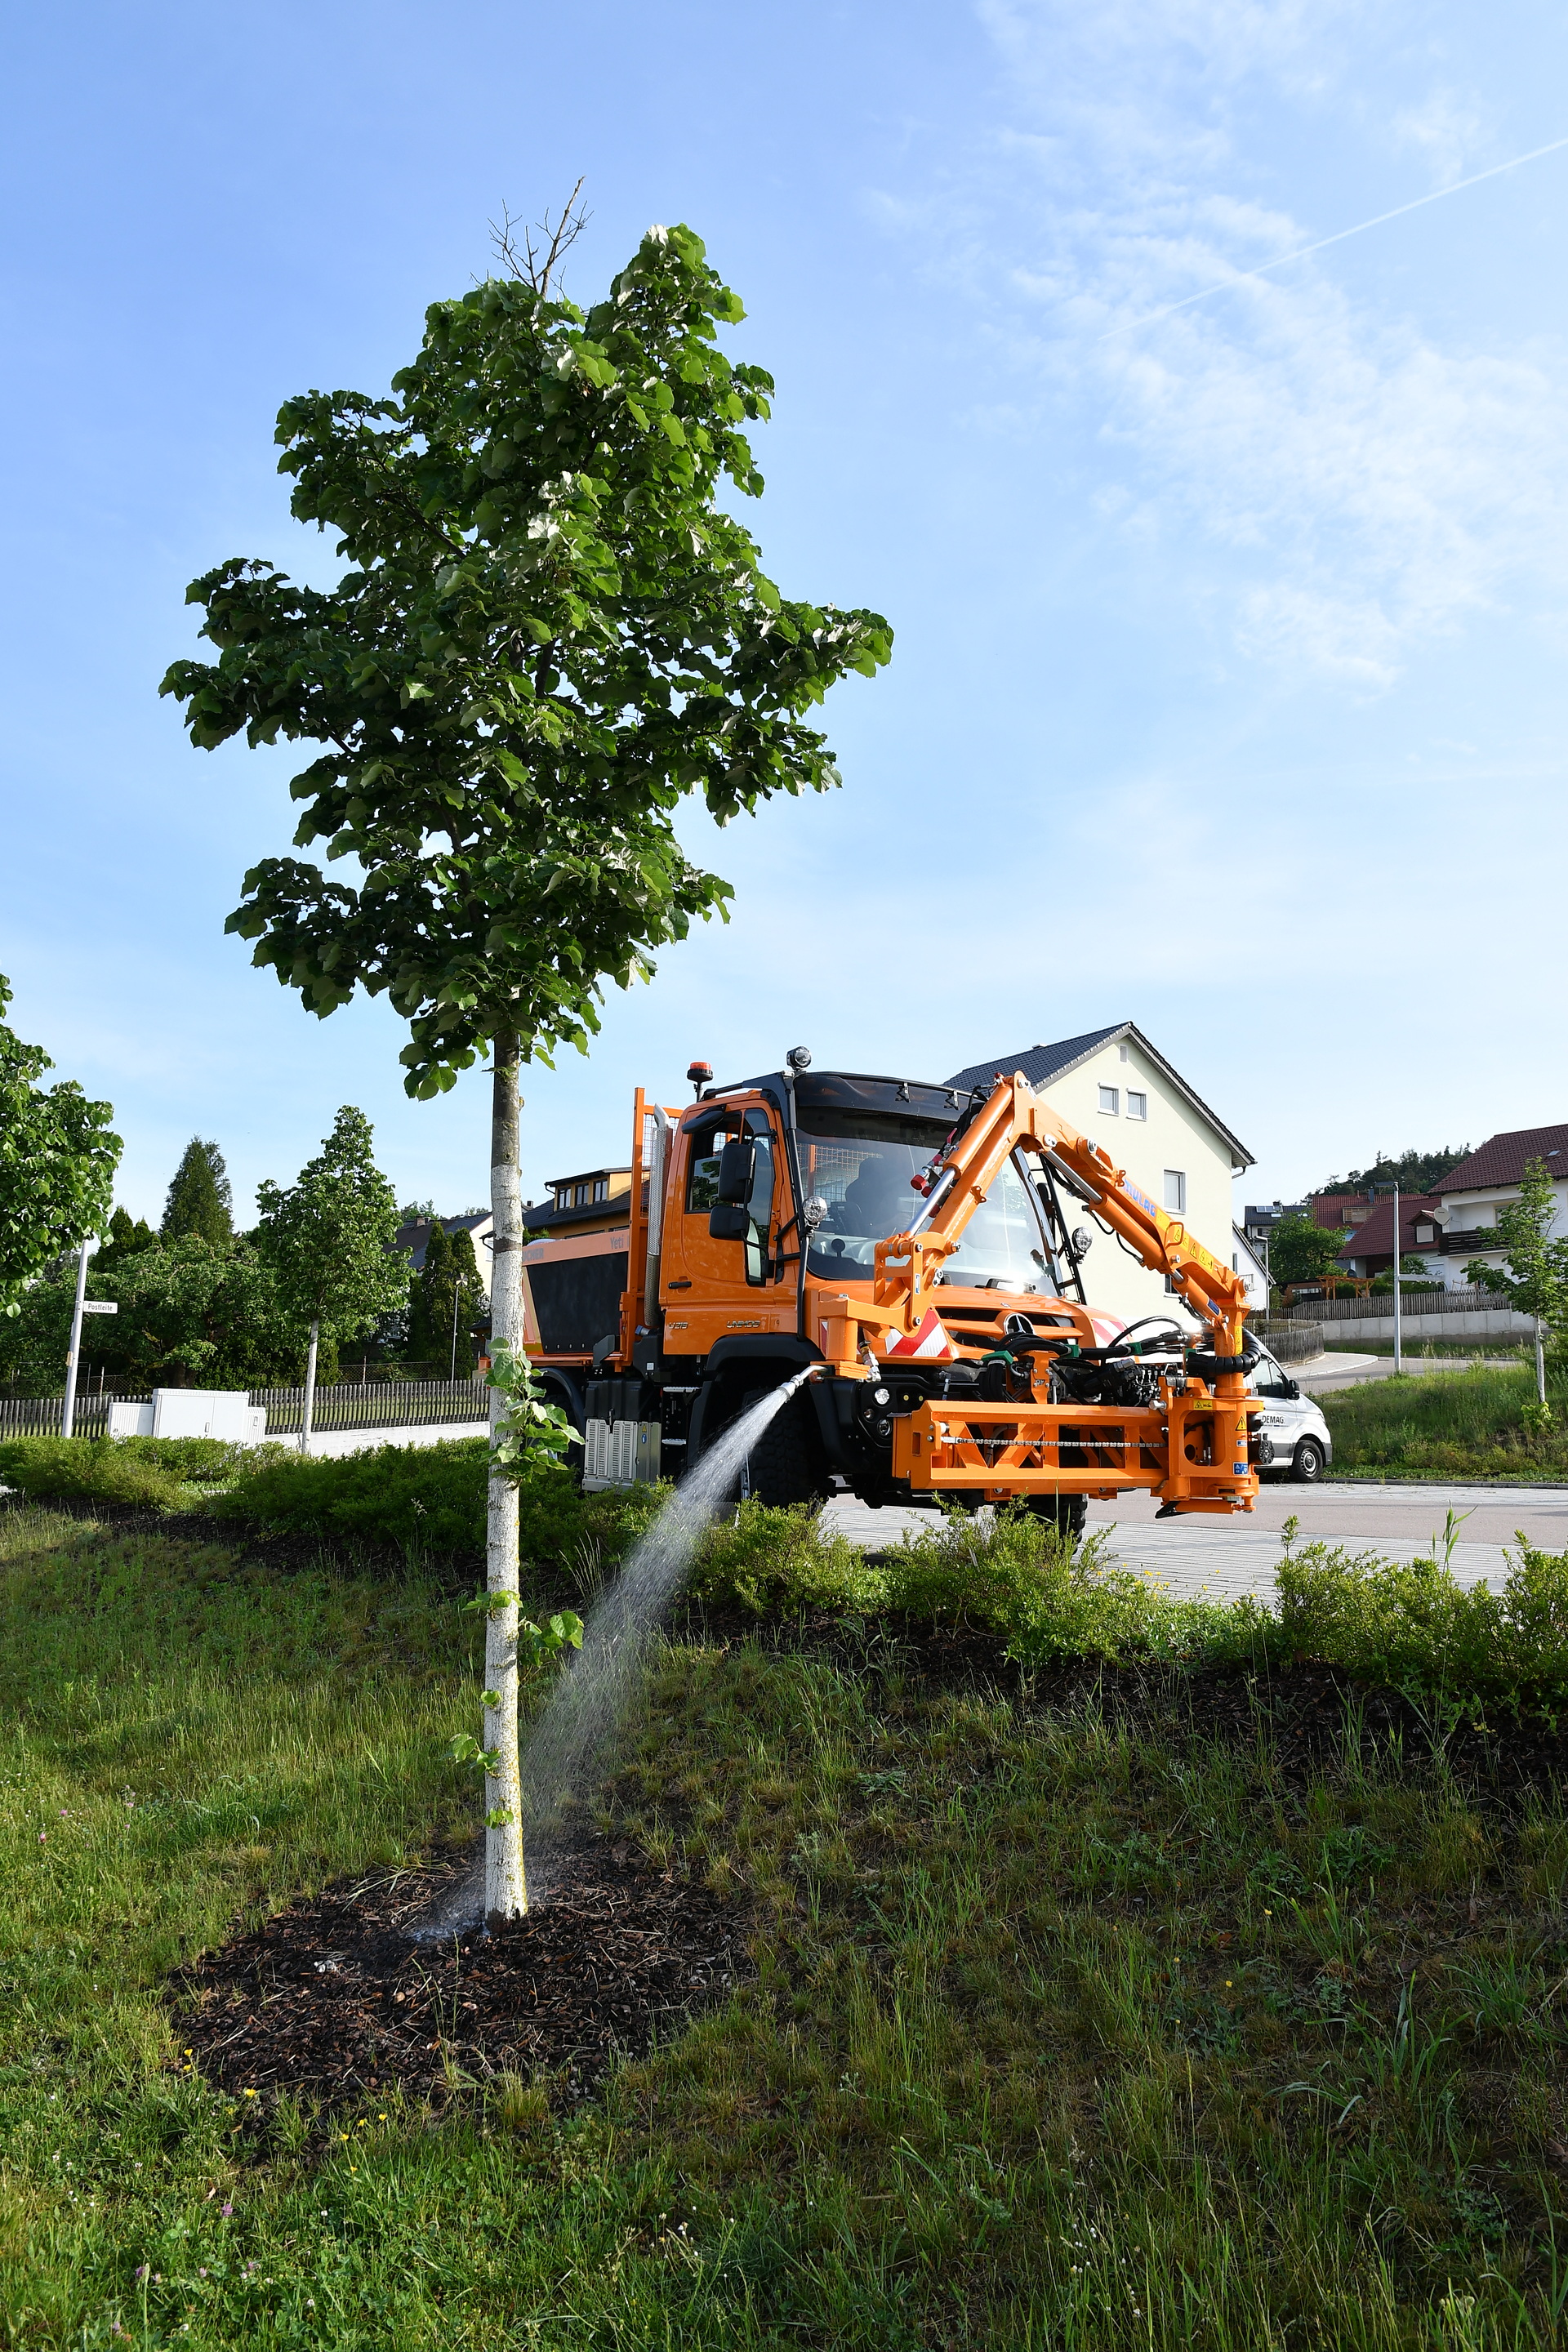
<point>200,1200</point>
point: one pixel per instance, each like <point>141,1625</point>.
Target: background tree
<point>550,633</point>
<point>1299,1251</point>
<point>57,1159</point>
<point>191,1314</point>
<point>200,1200</point>
<point>446,1297</point>
<point>1412,1172</point>
<point>125,1237</point>
<point>1533,1277</point>
<point>329,1241</point>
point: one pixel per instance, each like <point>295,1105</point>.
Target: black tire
<point>786,1465</point>
<point>1306,1464</point>
<point>1069,1514</point>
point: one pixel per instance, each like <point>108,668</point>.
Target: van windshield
<point>861,1164</point>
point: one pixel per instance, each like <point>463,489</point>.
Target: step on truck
<point>921,1249</point>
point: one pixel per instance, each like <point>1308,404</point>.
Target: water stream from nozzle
<point>570,1745</point>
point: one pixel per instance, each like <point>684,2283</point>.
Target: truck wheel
<point>1069,1514</point>
<point>1307,1466</point>
<point>786,1464</point>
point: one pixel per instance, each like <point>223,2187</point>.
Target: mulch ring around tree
<point>333,2001</point>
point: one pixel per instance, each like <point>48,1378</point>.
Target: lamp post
<point>68,1416</point>
<point>1372,1192</point>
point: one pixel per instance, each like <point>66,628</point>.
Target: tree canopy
<point>57,1159</point>
<point>1412,1172</point>
<point>1299,1251</point>
<point>328,1238</point>
<point>201,1199</point>
<point>550,633</point>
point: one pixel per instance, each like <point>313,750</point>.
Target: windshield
<point>861,1164</point>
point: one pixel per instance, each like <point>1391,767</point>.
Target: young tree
<point>1299,1251</point>
<point>551,633</point>
<point>200,1198</point>
<point>1533,1277</point>
<point>329,1240</point>
<point>57,1159</point>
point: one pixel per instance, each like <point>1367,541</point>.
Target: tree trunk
<point>1540,1364</point>
<point>506,1885</point>
<point>309,1415</point>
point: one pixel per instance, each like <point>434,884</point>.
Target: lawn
<point>1458,1424</point>
<point>1094,2006</point>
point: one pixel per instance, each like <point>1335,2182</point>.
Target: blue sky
<point>1228,686</point>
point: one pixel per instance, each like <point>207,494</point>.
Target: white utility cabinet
<point>226,1413</point>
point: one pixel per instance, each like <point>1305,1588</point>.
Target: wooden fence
<point>378,1404</point>
<point>1470,1300</point>
<point>40,1416</point>
<point>349,1404</point>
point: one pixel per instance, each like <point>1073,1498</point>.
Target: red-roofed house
<point>1370,1247</point>
<point>1471,1195</point>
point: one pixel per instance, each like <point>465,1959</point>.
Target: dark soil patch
<point>332,2000</point>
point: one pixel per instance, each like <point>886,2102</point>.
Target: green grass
<point>1421,1351</point>
<point>1469,1425</point>
<point>1072,2026</point>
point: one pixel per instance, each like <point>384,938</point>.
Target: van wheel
<point>1069,1514</point>
<point>1307,1466</point>
<point>786,1465</point>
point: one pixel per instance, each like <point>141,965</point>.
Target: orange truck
<point>921,1249</point>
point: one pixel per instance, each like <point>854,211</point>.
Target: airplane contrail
<point>1241,275</point>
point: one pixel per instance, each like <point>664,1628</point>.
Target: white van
<point>1293,1423</point>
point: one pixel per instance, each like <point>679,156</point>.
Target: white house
<point>1121,1090</point>
<point>1471,1195</point>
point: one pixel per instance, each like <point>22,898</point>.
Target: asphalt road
<point>1225,1558</point>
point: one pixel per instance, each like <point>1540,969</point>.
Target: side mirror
<point>1292,1389</point>
<point>738,1170</point>
<point>730,1222</point>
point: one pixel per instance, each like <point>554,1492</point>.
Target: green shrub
<point>1417,1627</point>
<point>780,1561</point>
<point>429,1501</point>
<point>90,1469</point>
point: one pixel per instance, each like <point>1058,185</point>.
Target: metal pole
<point>457,1302</point>
<point>1398,1329</point>
<point>68,1418</point>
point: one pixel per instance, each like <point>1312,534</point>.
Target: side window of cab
<point>753,1217</point>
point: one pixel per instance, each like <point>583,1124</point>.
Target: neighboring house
<point>1249,1261</point>
<point>591,1202</point>
<point>1370,1247</point>
<point>415,1239</point>
<point>1334,1211</point>
<point>1121,1090</point>
<point>1471,1195</point>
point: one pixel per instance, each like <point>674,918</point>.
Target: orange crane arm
<point>1013,1114</point>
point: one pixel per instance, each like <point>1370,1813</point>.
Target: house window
<point>563,1197</point>
<point>1121,1050</point>
<point>583,1193</point>
<point>1424,1233</point>
<point>1176,1191</point>
<point>1111,1100</point>
<point>602,1188</point>
<point>1137,1105</point>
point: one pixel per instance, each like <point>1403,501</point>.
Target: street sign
<point>101,1306</point>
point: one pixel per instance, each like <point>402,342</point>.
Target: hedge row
<point>1414,1627</point>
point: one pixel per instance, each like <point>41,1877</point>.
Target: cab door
<point>714,1284</point>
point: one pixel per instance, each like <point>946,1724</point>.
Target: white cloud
<point>1362,482</point>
